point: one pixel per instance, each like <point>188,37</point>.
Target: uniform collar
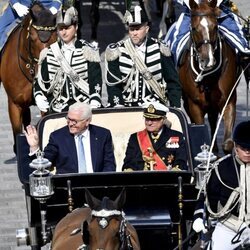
<point>141,47</point>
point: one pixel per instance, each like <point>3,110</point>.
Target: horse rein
<point>31,61</point>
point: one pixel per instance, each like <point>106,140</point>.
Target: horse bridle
<point>104,216</point>
<point>195,46</point>
<point>205,41</point>
<point>31,60</point>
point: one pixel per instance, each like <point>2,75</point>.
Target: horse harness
<point>216,46</point>
<point>104,216</point>
<point>31,60</point>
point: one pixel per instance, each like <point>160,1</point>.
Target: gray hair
<point>83,108</point>
<point>166,122</point>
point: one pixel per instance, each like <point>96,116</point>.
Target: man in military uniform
<point>157,147</point>
<point>69,70</point>
<point>140,69</point>
<point>227,195</point>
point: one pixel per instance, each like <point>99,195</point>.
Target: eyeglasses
<point>73,121</point>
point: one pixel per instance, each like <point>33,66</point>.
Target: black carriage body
<point>154,199</point>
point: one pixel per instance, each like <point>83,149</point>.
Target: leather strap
<point>148,77</point>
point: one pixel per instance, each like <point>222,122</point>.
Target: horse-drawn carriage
<point>159,204</point>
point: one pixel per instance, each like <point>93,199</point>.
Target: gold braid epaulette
<point>112,52</point>
<point>90,52</point>
<point>164,48</point>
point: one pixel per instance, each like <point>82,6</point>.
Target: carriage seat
<point>121,122</point>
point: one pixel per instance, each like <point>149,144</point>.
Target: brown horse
<point>208,72</point>
<point>19,59</point>
<point>102,226</point>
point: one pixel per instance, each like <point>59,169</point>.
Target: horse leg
<point>229,120</point>
<point>194,111</point>
<point>212,119</point>
<point>26,117</point>
<point>94,18</point>
<point>16,119</point>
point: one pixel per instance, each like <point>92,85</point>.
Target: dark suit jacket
<point>61,150</point>
<point>134,160</point>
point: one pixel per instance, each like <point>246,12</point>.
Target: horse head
<point>39,29</point>
<point>204,32</point>
<point>107,228</point>
<point>102,224</point>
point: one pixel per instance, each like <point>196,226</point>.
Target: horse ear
<point>85,233</point>
<point>120,200</point>
<point>212,3</point>
<point>192,4</point>
<point>91,200</point>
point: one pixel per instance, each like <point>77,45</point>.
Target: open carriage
<point>159,204</point>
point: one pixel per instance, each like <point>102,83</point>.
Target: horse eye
<point>194,29</point>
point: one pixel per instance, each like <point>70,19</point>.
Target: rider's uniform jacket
<point>169,147</point>
<point>231,176</point>
<point>229,26</point>
<point>64,88</point>
<point>126,85</point>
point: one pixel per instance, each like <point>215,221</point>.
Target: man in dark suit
<point>157,147</point>
<point>63,148</point>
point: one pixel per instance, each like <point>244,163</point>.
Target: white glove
<point>21,9</point>
<point>199,226</point>
<point>53,10</point>
<point>42,103</point>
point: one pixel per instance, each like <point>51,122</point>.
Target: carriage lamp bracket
<point>206,158</point>
<point>41,188</point>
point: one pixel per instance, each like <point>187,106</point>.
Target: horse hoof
<point>228,146</point>
<point>12,160</point>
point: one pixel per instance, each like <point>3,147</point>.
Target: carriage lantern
<point>41,187</point>
<point>205,157</point>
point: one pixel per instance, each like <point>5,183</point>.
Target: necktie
<point>81,156</point>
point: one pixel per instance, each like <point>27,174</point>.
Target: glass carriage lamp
<point>41,187</point>
<point>203,168</point>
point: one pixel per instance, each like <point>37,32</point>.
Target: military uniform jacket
<point>123,85</point>
<point>217,193</point>
<point>62,90</point>
<point>170,155</point>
